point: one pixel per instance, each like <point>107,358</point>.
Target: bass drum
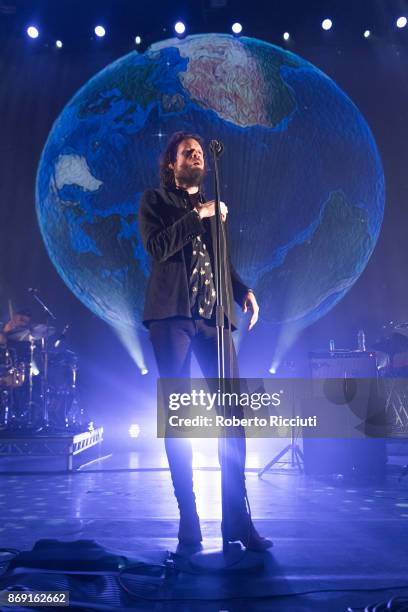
<point>64,411</point>
<point>62,371</point>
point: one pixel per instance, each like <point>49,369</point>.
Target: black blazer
<point>167,228</point>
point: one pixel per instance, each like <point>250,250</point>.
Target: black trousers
<point>174,341</point>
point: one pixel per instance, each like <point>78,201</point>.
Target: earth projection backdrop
<point>301,174</point>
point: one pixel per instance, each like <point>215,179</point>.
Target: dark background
<point>37,80</point>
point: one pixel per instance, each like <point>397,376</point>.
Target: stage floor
<point>330,534</point>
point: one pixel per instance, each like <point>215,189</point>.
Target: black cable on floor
<point>257,597</point>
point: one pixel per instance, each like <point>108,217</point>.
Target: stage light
<point>58,43</point>
<point>367,34</point>
<point>138,40</point>
<point>179,28</point>
<point>236,28</point>
<point>401,22</point>
<point>100,31</point>
<point>286,36</point>
<point>144,371</point>
<point>134,430</point>
<point>33,32</point>
<point>327,24</point>
<point>272,370</point>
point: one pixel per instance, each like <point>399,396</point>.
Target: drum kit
<point>392,349</point>
<point>38,381</point>
<point>392,362</point>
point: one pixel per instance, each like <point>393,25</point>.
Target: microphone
<point>216,147</point>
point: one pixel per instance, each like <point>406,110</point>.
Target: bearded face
<point>188,167</point>
<point>189,177</point>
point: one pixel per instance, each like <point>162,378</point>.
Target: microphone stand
<point>44,345</point>
<point>231,559</point>
<point>217,150</point>
<point>50,314</point>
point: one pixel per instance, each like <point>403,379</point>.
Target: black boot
<point>237,525</point>
<point>244,531</point>
<point>180,460</point>
<point>189,533</point>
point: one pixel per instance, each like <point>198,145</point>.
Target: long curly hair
<point>169,156</point>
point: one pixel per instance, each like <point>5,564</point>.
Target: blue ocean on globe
<point>301,174</point>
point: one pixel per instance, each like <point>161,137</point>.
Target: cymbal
<point>36,332</point>
<point>42,331</point>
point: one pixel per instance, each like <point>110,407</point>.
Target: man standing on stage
<point>177,226</point>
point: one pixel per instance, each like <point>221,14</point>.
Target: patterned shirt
<point>201,277</point>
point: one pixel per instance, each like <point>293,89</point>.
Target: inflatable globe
<point>301,174</point>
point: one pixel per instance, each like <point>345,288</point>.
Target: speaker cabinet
<point>347,454</point>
